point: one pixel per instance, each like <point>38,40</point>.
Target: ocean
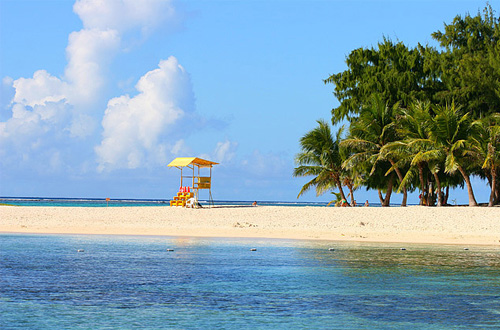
<point>131,282</point>
<point>101,202</point>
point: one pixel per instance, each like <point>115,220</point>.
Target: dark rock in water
<point>253,249</point>
<point>170,250</point>
<point>331,249</point>
<point>80,250</point>
<point>403,249</point>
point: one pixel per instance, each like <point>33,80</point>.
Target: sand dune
<point>455,225</point>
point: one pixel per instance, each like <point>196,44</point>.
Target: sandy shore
<point>447,225</point>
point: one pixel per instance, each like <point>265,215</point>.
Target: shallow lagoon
<point>133,282</point>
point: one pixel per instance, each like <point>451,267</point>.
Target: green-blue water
<point>123,282</point>
<point>101,202</point>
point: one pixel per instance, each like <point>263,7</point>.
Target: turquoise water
<point>101,202</point>
<point>126,282</point>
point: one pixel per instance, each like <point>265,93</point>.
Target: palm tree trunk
<point>446,195</point>
<point>430,189</point>
<point>387,199</point>
<point>493,186</point>
<point>400,177</point>
<point>350,186</point>
<point>351,191</point>
<point>488,177</point>
<point>339,185</point>
<point>431,200</point>
<point>497,187</point>
<point>426,193</point>
<point>380,197</point>
<point>422,182</point>
<point>440,195</point>
<point>472,199</point>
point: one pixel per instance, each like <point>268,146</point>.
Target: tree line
<point>422,118</point>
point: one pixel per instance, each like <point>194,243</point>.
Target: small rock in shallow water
<point>253,249</point>
<point>403,249</point>
<point>80,250</point>
<point>331,249</point>
<point>170,250</point>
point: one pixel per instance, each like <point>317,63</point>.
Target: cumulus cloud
<point>224,151</point>
<point>266,165</point>
<point>138,130</point>
<point>180,147</point>
<point>52,112</point>
<point>89,52</point>
<point>39,90</point>
<point>123,15</point>
<point>27,138</point>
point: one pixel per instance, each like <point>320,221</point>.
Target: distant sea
<point>98,202</point>
<point>129,282</point>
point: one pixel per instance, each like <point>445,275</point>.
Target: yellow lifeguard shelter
<point>193,180</point>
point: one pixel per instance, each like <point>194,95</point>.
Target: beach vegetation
<point>421,118</point>
<point>469,62</point>
<point>337,201</point>
<point>486,151</point>
<point>392,70</point>
<point>322,158</point>
<point>451,132</point>
<point>374,129</point>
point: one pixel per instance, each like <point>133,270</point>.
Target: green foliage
<point>373,129</point>
<point>450,131</point>
<point>368,135</point>
<point>485,150</point>
<point>431,116</point>
<point>470,65</point>
<point>337,201</point>
<point>392,70</point>
<point>321,158</point>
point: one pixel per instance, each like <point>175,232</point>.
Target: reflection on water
<point>134,283</point>
<point>443,286</point>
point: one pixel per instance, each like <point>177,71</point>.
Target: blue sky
<point>97,97</point>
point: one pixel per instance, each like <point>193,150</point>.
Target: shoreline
<point>412,224</point>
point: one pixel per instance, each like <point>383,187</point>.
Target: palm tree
<point>337,201</point>
<point>486,148</point>
<point>417,148</point>
<point>451,131</point>
<point>369,133</point>
<point>352,178</point>
<point>320,157</point>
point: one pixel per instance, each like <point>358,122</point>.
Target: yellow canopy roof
<point>185,161</point>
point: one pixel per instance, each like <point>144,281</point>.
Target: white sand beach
<point>446,225</point>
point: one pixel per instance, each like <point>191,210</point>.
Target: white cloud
<point>38,90</point>
<point>33,135</point>
<point>89,52</point>
<point>123,15</point>
<point>259,165</point>
<point>27,123</point>
<point>58,113</point>
<point>136,129</point>
<point>225,151</point>
<point>180,148</point>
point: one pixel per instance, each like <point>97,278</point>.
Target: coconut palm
<point>369,133</point>
<point>337,201</point>
<point>320,157</point>
<point>486,148</point>
<point>451,131</point>
<point>417,148</point>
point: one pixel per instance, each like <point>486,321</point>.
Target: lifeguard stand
<point>194,178</point>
